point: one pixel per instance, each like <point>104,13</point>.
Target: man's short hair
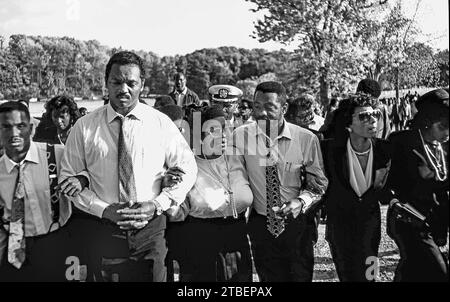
<point>178,75</point>
<point>13,106</point>
<point>273,87</point>
<point>125,58</point>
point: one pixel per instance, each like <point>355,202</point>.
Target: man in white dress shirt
<point>126,147</point>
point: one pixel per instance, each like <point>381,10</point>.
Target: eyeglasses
<point>365,116</point>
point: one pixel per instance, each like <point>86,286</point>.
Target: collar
<point>32,156</point>
<point>286,132</point>
<point>182,92</point>
<point>137,112</point>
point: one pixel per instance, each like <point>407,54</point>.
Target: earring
<point>349,129</point>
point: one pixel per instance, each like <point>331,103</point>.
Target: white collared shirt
<point>38,214</point>
<point>156,144</point>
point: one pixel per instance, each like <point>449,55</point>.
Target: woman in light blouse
<point>214,229</point>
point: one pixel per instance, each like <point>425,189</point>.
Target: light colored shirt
<point>208,197</point>
<point>317,123</point>
<point>180,96</point>
<point>294,147</point>
<point>38,214</point>
<point>155,142</point>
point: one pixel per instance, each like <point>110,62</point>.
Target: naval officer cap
<point>224,93</point>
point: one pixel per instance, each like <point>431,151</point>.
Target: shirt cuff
<point>164,201</point>
<point>307,199</point>
<point>91,203</point>
<point>98,207</point>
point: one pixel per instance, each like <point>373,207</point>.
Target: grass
<point>324,270</point>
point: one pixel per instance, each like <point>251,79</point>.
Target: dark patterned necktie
<point>16,239</point>
<point>127,184</point>
<point>274,225</point>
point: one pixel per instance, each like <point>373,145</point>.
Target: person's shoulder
<point>190,91</point>
<point>93,116</point>
<point>401,136</point>
<point>300,132</point>
<point>153,115</point>
<point>245,128</point>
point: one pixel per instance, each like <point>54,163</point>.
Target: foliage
<point>41,67</point>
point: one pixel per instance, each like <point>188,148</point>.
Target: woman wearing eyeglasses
<point>357,164</point>
<point>213,244</point>
<point>419,177</point>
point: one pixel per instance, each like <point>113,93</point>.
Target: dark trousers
<point>279,259</point>
<point>217,249</point>
<point>45,260</point>
<point>420,257</point>
<point>353,238</point>
<point>305,246</point>
<point>80,228</point>
<point>112,259</point>
<point>177,243</point>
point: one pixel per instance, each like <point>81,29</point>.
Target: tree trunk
<point>397,84</point>
<point>324,87</point>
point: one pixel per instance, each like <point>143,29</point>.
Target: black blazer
<point>407,183</point>
<point>190,98</point>
<point>340,198</point>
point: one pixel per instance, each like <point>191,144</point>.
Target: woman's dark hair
<point>163,100</point>
<point>343,115</point>
<point>174,112</point>
<point>125,58</point>
<point>205,114</point>
<point>60,101</point>
<point>354,101</point>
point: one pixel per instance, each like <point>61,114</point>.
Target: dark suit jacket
<point>190,98</point>
<point>340,199</point>
<point>409,186</point>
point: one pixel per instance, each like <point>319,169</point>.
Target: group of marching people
<point>131,190</point>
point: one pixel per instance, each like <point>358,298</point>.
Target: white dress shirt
<point>155,142</point>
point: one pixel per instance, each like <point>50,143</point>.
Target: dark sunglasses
<point>366,115</point>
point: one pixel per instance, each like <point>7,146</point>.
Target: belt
<point>241,216</point>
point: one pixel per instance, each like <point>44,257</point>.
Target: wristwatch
<point>158,210</point>
<point>303,205</point>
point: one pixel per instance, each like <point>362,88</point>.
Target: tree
<point>326,32</point>
<point>442,59</point>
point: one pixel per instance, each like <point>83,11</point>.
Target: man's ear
<point>143,84</point>
<point>285,108</point>
<point>32,130</point>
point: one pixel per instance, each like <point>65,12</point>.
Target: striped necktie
<point>127,185</point>
<point>16,239</point>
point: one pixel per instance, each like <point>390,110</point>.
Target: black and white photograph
<point>224,146</point>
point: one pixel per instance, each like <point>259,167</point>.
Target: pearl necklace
<point>437,162</point>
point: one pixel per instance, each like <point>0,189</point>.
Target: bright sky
<point>169,27</point>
